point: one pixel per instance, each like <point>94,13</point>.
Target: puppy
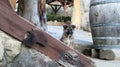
<point>67,36</point>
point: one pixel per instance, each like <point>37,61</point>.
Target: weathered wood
<point>105,23</point>
<point>17,27</point>
<point>13,3</point>
<point>55,8</point>
<point>20,8</point>
<point>42,14</point>
<point>68,2</point>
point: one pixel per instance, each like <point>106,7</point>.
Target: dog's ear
<point>73,26</point>
<point>65,26</point>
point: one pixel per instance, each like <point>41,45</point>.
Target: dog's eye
<point>68,29</point>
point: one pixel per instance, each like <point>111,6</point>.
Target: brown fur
<point>67,36</point>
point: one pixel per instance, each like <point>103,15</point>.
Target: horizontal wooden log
<point>17,27</point>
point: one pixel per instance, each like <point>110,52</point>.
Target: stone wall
<point>85,25</point>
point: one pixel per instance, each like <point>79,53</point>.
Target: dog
<point>67,36</point>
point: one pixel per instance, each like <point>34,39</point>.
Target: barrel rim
<point>102,38</point>
<point>103,2</point>
<point>104,24</point>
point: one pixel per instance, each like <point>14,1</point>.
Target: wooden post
<point>55,8</point>
<point>76,14</point>
<point>13,3</point>
<point>65,7</point>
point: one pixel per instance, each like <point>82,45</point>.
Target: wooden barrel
<point>105,23</point>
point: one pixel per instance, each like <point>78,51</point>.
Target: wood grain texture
<point>105,21</point>
<point>17,27</point>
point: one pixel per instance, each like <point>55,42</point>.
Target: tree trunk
<point>65,7</point>
<point>34,11</point>
<point>42,12</point>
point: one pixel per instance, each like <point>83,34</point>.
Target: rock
<point>32,58</point>
<point>1,53</point>
<point>95,53</point>
<point>81,47</point>
<point>110,54</point>
<point>11,48</point>
<point>85,25</point>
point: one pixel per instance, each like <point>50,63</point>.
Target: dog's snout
<point>69,32</point>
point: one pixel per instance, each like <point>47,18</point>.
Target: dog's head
<point>68,29</point>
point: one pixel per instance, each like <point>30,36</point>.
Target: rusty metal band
<point>105,46</point>
<point>105,38</point>
<point>105,25</point>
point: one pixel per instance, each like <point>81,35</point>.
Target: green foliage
<point>51,17</point>
<point>66,18</point>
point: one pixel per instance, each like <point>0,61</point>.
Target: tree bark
<point>42,13</point>
<point>34,11</point>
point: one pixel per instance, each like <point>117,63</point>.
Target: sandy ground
<point>107,63</point>
<point>82,37</point>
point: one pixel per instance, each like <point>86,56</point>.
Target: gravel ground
<point>82,37</point>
